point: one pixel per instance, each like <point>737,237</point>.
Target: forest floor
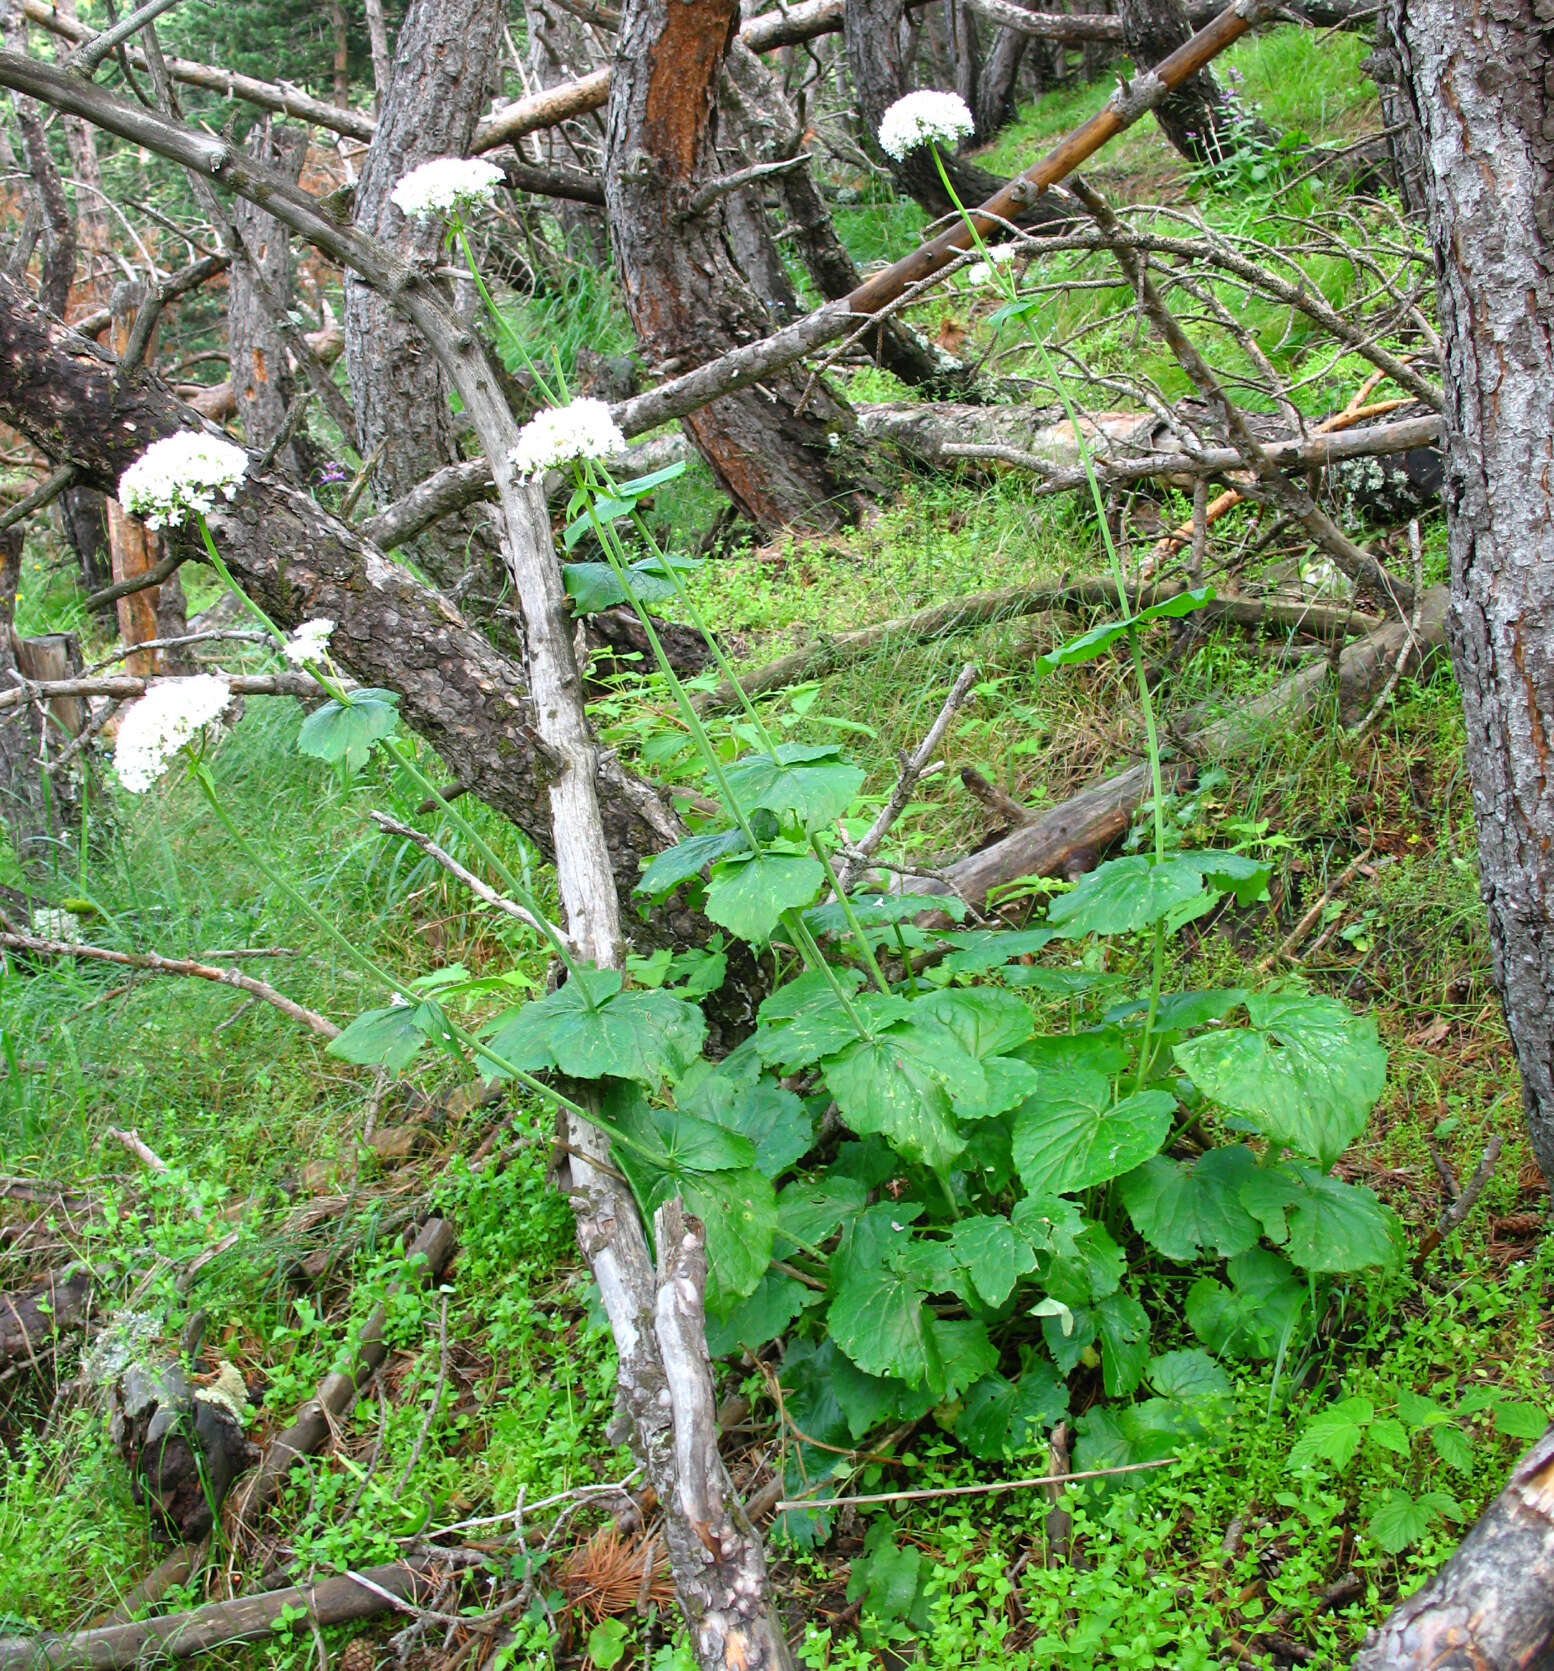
<point>296,1172</point>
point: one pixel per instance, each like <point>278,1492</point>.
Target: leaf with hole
<point>1306,1072</point>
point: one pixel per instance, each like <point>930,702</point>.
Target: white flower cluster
<point>561,434</point>
<point>980,272</point>
<point>444,185</point>
<point>170,714</point>
<point>310,642</point>
<point>48,923</point>
<point>180,474</point>
<point>920,117</point>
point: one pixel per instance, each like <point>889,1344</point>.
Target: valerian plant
<point>935,1197</point>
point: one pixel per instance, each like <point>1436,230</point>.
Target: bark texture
<point>1200,118</point>
<point>1491,1607</point>
<point>770,449</point>
<point>262,381</point>
<point>444,66</point>
<point>1481,80</point>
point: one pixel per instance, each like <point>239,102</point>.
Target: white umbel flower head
<point>170,714</point>
<point>180,474</point>
<point>310,642</point>
<point>49,923</point>
<point>444,185</point>
<point>561,434</point>
<point>921,117</point>
<point>979,272</point>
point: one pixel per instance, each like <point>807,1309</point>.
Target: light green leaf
<point>748,896</point>
<point>347,730</point>
<point>1336,1226</point>
<point>736,1096</point>
<point>1400,1519</point>
<point>992,1255</point>
<point>596,586</point>
<point>1453,1447</point>
<point>803,1020</point>
<point>1334,1434</point>
<point>1101,1050</point>
<point>1098,640</point>
<point>1183,1208</point>
<point>686,859</point>
<point>896,1085</point>
<point>977,949</point>
<point>1128,895</point>
<point>387,1038</point>
<point>1071,1134</point>
<point>1520,1421</point>
<point>1391,1435</point>
<point>739,1211</point>
<point>806,782</point>
<point>1306,1072</point>
<point>670,1140</point>
<point>987,1020</point>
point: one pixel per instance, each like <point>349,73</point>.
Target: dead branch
<point>333,1601</point>
<point>45,493</point>
<point>338,1390</point>
<point>1455,1212</point>
<point>160,965</point>
<point>125,687</point>
<point>1384,695</point>
<point>1009,603</point>
<point>32,1320</point>
<point>1310,918</point>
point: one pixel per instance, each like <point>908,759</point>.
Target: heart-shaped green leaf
<point>1072,1134</point>
<point>749,895</point>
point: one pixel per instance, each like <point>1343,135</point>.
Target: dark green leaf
<point>806,782</point>
<point>992,1255</point>
<point>1190,1376</point>
<point>761,1316</point>
<point>1123,1325</point>
<point>1071,1134</point>
<point>1183,1208</point>
<point>1000,1419</point>
<point>1255,1315</point>
<point>1336,1226</point>
<point>978,949</point>
<point>879,1320</point>
<point>985,1019</point>
<point>688,858</point>
<point>386,1038</point>
<point>896,1084</point>
<point>810,1212</point>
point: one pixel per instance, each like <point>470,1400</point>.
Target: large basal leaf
<point>1098,1050</point>
<point>987,1020</point>
<point>806,782</point>
<point>879,1320</point>
<point>877,911</point>
<point>804,1020</point>
<point>1098,640</point>
<point>387,1038</point>
<point>347,730</point>
<point>1190,1376</point>
<point>1120,1436</point>
<point>739,1211</point>
<point>1306,1072</point>
<point>688,858</point>
<point>748,896</point>
<point>1184,1208</point>
<point>1002,1419</point>
<point>897,1084</point>
<point>1336,1226</point>
<point>761,1315</point>
<point>645,1036</point>
<point>809,1212</point>
<point>736,1096</point>
<point>670,1140</point>
<point>596,586</point>
<point>1071,1134</point>
<point>1256,1314</point>
<point>1128,895</point>
<point>966,1353</point>
<point>992,1255</point>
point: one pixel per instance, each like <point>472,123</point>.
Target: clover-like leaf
<point>1072,1134</point>
<point>1306,1072</point>
<point>347,730</point>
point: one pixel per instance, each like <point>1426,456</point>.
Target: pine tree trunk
<point>1480,79</point>
<point>770,448</point>
<point>1200,118</point>
<point>444,68</point>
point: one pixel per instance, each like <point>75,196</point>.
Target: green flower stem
<point>853,923</point>
<point>504,330</point>
<point>1146,700</point>
<point>610,543</point>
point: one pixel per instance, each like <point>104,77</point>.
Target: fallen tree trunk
<point>32,1320</point>
<point>333,1601</point>
<point>1491,1607</point>
<point>1091,821</point>
<point>984,608</point>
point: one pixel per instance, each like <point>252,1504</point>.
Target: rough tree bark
<point>262,382</point>
<point>1480,79</point>
<point>1200,119</point>
<point>444,66</point>
<point>771,450</point>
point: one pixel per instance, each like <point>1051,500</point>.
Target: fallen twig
<point>984,1490</point>
<point>1456,1211</point>
<point>1310,918</point>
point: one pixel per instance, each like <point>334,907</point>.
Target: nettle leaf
<point>976,950</point>
<point>1072,1134</point>
<point>992,1255</point>
<point>687,859</point>
<point>1334,1434</point>
<point>879,1320</point>
<point>748,895</point>
<point>387,1038</point>
<point>1255,1314</point>
<point>645,1036</point>
<point>810,1212</point>
<point>1184,1208</point>
<point>806,782</point>
<point>1128,895</point>
<point>1002,1419</point>
<point>899,1085</point>
<point>1336,1226</point>
<point>1098,640</point>
<point>1400,1519</point>
<point>1453,1447</point>
<point>761,1316</point>
<point>347,730</point>
<point>1520,1421</point>
<point>1191,1376</point>
<point>1306,1072</point>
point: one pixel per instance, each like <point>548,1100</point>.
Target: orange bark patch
<point>682,73</point>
